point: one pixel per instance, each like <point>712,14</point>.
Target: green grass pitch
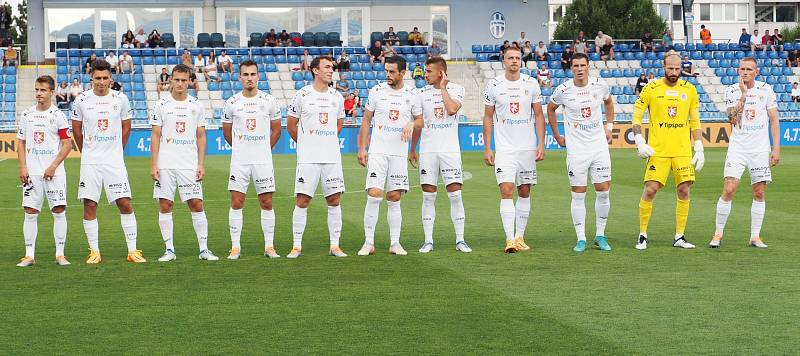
<point>736,300</point>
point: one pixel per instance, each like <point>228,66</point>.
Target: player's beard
<point>672,78</point>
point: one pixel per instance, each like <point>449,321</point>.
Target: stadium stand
<point>8,96</point>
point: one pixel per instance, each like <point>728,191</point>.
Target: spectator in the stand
<point>128,40</point>
<point>376,53</point>
<point>350,105</point>
<point>579,46</point>
<point>74,90</point>
<point>342,85</point>
<point>757,42</point>
<point>272,38</point>
<point>705,35</point>
<point>193,82</point>
<point>199,62</point>
<point>527,52</point>
<point>641,83</point>
<point>566,58</point>
<point>777,39</point>
<point>795,93</point>
<point>186,58</point>
<point>503,48</point>
<point>651,77</point>
<point>746,41</point>
<point>62,96</point>
<point>434,50</point>
<point>306,63</point>
<point>390,36</point>
<point>343,63</point>
<point>141,39</point>
<point>686,67</point>
<point>284,38</point>
<point>646,43</point>
<point>607,50</point>
<point>10,59</point>
<point>601,40</point>
<point>388,50</point>
<point>210,70</point>
<point>225,62</point>
<point>125,62</point>
<point>766,41</point>
<point>792,58</point>
<point>415,38</point>
<point>113,61</point>
<point>522,39</point>
<point>667,40</point>
<point>581,37</point>
<point>89,61</point>
<point>543,76</point>
<point>88,86</point>
<point>516,45</point>
<point>163,81</point>
<point>541,52</point>
<point>154,39</point>
<point>418,73</point>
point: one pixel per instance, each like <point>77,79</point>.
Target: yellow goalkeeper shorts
<point>658,168</point>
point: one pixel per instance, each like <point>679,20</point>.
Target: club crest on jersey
<point>438,113</point>
<point>513,108</point>
<point>750,114</point>
<point>38,137</point>
<point>180,127</point>
<point>323,118</point>
<point>672,111</point>
<point>102,124</point>
<point>394,115</point>
<point>586,112</point>
<point>250,124</point>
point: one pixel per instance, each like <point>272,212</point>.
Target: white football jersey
<point>514,122</point>
<point>39,130</point>
<point>583,118</point>
<point>317,127</point>
<point>440,133</point>
<point>754,135</point>
<point>392,109</point>
<point>179,121</point>
<point>251,119</point>
<point>102,118</point>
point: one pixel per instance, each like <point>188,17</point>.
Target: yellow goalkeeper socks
<point>681,215</point>
<point>645,210</point>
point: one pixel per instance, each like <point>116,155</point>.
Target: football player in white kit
<point>753,111</point>
<point>315,120</point>
<point>513,109</point>
<point>397,111</point>
<point>587,140</point>
<point>43,142</point>
<point>101,125</point>
<point>439,152</point>
<point>177,160</point>
<point>251,124</point>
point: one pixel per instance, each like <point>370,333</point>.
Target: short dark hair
<point>437,61</point>
<point>46,79</point>
<point>579,55</point>
<point>248,63</point>
<point>315,62</point>
<point>181,68</point>
<point>100,65</point>
<point>399,60</point>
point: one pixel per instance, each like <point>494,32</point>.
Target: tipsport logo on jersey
<point>251,125</point>
<point>103,135</point>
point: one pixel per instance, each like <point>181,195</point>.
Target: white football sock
<point>91,227</point>
<point>30,228</point>
<point>428,214</point>
<point>268,227</point>
<point>60,231</point>
<point>523,210</point>
<point>165,223</point>
<point>395,218</point>
<point>602,205</point>
<point>371,212</point>
<point>235,224</point>
<point>723,211</point>
<point>578,210</point>
<point>200,224</point>
<point>335,224</point>
<point>128,222</point>
<point>757,211</point>
<point>299,216</point>
<point>507,213</point>
<point>457,214</point>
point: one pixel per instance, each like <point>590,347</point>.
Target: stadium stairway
<point>26,75</point>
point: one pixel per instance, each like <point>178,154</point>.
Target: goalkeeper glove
<point>645,151</point>
<point>699,158</point>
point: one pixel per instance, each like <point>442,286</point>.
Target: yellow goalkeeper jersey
<point>674,113</point>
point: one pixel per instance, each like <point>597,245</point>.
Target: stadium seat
<point>256,40</point>
<point>217,40</point>
<point>168,40</point>
<point>203,40</point>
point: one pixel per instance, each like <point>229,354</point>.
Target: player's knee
<point>375,193</point>
<point>333,200</point>
<point>453,187</point>
<point>165,206</point>
<point>758,193</point>
<point>579,189</point>
<point>683,191</point>
<point>195,205</point>
<point>524,191</point>
<point>56,209</point>
<point>394,195</point>
<point>302,201</point>
<point>124,205</point>
<point>34,211</point>
<point>429,188</point>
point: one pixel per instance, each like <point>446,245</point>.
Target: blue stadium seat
<point>10,88</point>
<point>628,91</point>
<point>297,76</point>
<point>126,87</point>
<point>299,85</point>
<point>369,75</point>
<point>357,76</point>
<point>237,86</point>
<point>308,76</point>
<point>138,86</point>
<point>616,73</point>
<point>371,83</point>
<point>360,84</point>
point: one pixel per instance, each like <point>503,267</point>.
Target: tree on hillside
<point>616,18</point>
<point>19,29</point>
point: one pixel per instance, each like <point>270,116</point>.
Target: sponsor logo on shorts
<point>301,180</point>
<point>499,170</point>
<point>571,174</point>
<point>232,178</point>
<point>373,175</point>
<point>423,172</point>
<point>158,184</point>
<point>652,167</point>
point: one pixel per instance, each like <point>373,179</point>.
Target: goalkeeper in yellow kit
<point>674,126</point>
